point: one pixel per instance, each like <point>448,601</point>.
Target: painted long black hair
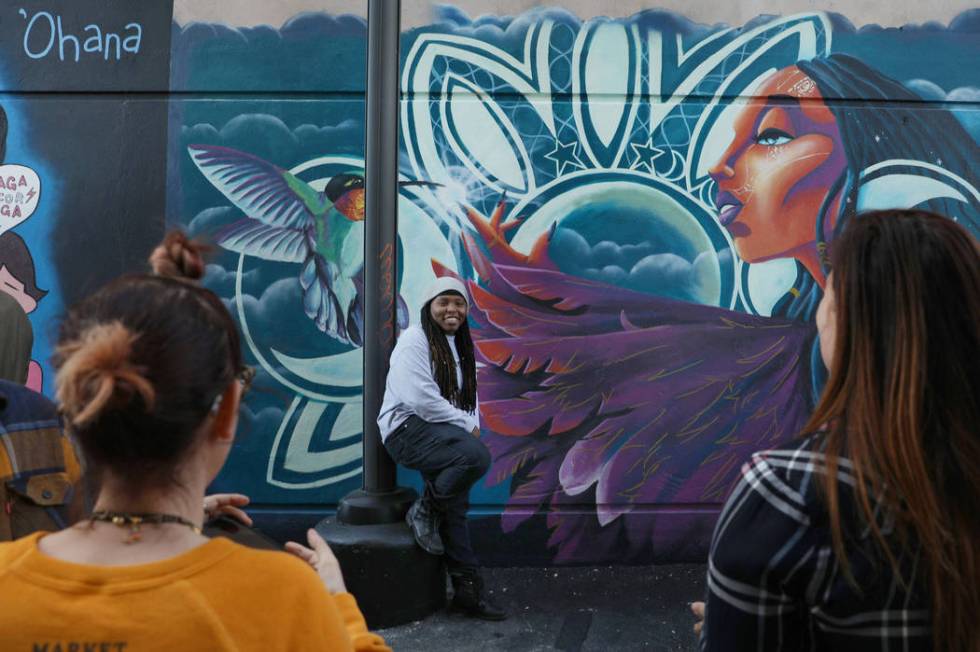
<point>17,258</point>
<point>879,120</point>
<point>444,364</point>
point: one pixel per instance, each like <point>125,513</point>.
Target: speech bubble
<point>20,190</point>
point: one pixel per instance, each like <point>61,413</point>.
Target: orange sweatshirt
<point>218,596</point>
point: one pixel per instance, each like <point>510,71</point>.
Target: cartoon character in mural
<point>19,195</point>
<point>599,394</point>
<point>288,221</point>
<point>17,279</point>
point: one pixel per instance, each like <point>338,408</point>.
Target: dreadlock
<point>444,365</point>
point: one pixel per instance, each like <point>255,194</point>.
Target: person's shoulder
<point>801,463</point>
<point>789,463</point>
<point>412,337</point>
<point>413,333</point>
<point>789,478</point>
<point>23,404</point>
<point>775,500</point>
<point>24,396</point>
<point>11,551</point>
<point>280,564</point>
<point>283,578</point>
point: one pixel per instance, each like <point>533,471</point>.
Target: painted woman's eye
<point>773,137</point>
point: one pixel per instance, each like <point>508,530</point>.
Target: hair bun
<point>97,373</point>
<point>179,257</point>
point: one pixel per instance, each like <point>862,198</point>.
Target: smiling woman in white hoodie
<point>430,422</point>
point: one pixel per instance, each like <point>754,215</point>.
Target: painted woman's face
<point>778,169</point>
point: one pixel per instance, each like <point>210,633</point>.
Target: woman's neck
<point>186,503</point>
<point>107,544</point>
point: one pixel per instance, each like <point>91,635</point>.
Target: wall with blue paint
<point>291,96</point>
<point>684,184</point>
<point>634,359</point>
<point>78,83</point>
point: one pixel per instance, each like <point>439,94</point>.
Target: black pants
<point>451,461</point>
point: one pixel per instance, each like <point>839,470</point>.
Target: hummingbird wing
<point>254,238</point>
<point>261,190</point>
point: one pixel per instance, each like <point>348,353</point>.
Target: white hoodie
<point>411,389</point>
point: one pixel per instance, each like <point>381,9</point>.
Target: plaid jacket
<point>774,582</point>
<point>38,466</point>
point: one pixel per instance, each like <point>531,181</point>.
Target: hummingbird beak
<point>427,184</point>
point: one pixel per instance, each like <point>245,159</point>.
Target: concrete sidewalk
<point>570,609</point>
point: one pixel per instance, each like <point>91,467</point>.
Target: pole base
<point>395,582</point>
<point>363,507</point>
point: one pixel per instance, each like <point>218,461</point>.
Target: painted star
<point>646,154</point>
<point>564,155</point>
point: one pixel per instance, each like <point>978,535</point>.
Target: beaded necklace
<point>134,521</point>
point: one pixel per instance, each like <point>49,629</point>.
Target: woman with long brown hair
<point>866,535</point>
<point>149,380</point>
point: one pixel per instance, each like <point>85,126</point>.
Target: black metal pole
<point>394,580</point>
<point>379,500</point>
<point>381,229</point>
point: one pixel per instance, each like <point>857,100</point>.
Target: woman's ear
<point>226,419</point>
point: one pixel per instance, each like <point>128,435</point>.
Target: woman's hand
<point>321,558</point>
<point>697,608</point>
<point>217,504</point>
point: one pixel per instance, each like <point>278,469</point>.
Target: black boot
<point>424,518</point>
<point>469,598</point>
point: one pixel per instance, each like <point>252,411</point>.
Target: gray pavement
<point>574,609</point>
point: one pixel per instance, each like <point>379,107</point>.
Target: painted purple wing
<point>597,394</point>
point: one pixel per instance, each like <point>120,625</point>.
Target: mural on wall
<point>646,290</point>
<point>643,206</point>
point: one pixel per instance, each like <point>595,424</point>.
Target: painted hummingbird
<point>288,221</point>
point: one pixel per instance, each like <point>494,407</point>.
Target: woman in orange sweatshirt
<point>150,377</point>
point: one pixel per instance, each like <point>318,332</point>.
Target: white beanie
<point>444,284</point>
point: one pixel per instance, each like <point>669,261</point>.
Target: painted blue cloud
<point>274,316</point>
<point>634,266</point>
<point>222,282</point>
<point>267,136</point>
